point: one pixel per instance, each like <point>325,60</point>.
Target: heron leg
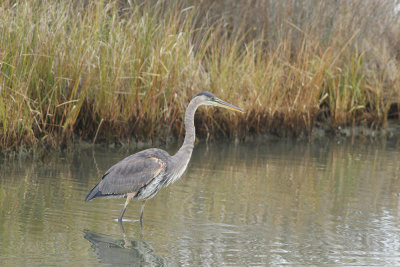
<point>123,211</point>
<point>128,198</point>
<point>121,227</point>
<point>141,211</point>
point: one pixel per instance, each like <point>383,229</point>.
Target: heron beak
<point>224,104</point>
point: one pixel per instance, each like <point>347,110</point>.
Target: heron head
<point>209,99</point>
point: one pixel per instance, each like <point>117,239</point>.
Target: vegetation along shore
<point>103,71</point>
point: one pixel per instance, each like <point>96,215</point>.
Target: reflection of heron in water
<point>140,176</point>
<point>122,252</point>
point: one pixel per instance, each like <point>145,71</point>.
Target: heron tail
<point>93,193</point>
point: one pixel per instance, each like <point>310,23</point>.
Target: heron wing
<point>131,174</point>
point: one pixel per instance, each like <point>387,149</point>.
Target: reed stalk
<point>111,70</point>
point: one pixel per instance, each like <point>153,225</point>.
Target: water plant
<point>112,70</point>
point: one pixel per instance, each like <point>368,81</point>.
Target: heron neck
<point>186,150</point>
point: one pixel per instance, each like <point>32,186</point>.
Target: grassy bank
<point>109,70</point>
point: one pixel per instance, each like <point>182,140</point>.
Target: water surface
<point>271,203</point>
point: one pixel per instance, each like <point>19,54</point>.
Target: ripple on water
<point>263,204</point>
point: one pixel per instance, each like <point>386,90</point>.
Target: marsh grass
<point>111,70</point>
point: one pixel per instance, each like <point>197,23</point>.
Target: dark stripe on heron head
<point>205,93</point>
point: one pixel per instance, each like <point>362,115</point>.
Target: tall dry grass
<point>106,70</point>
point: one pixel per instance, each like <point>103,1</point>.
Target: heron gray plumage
<point>141,175</point>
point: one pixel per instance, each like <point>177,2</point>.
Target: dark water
<point>271,203</point>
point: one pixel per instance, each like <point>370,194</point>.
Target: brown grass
<point>110,70</point>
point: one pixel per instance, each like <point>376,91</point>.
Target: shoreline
<point>105,72</point>
<point>342,134</point>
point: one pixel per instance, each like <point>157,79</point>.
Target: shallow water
<point>271,203</point>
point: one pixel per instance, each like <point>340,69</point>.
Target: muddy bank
<point>391,134</point>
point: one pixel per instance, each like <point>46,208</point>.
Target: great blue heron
<point>140,176</point>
